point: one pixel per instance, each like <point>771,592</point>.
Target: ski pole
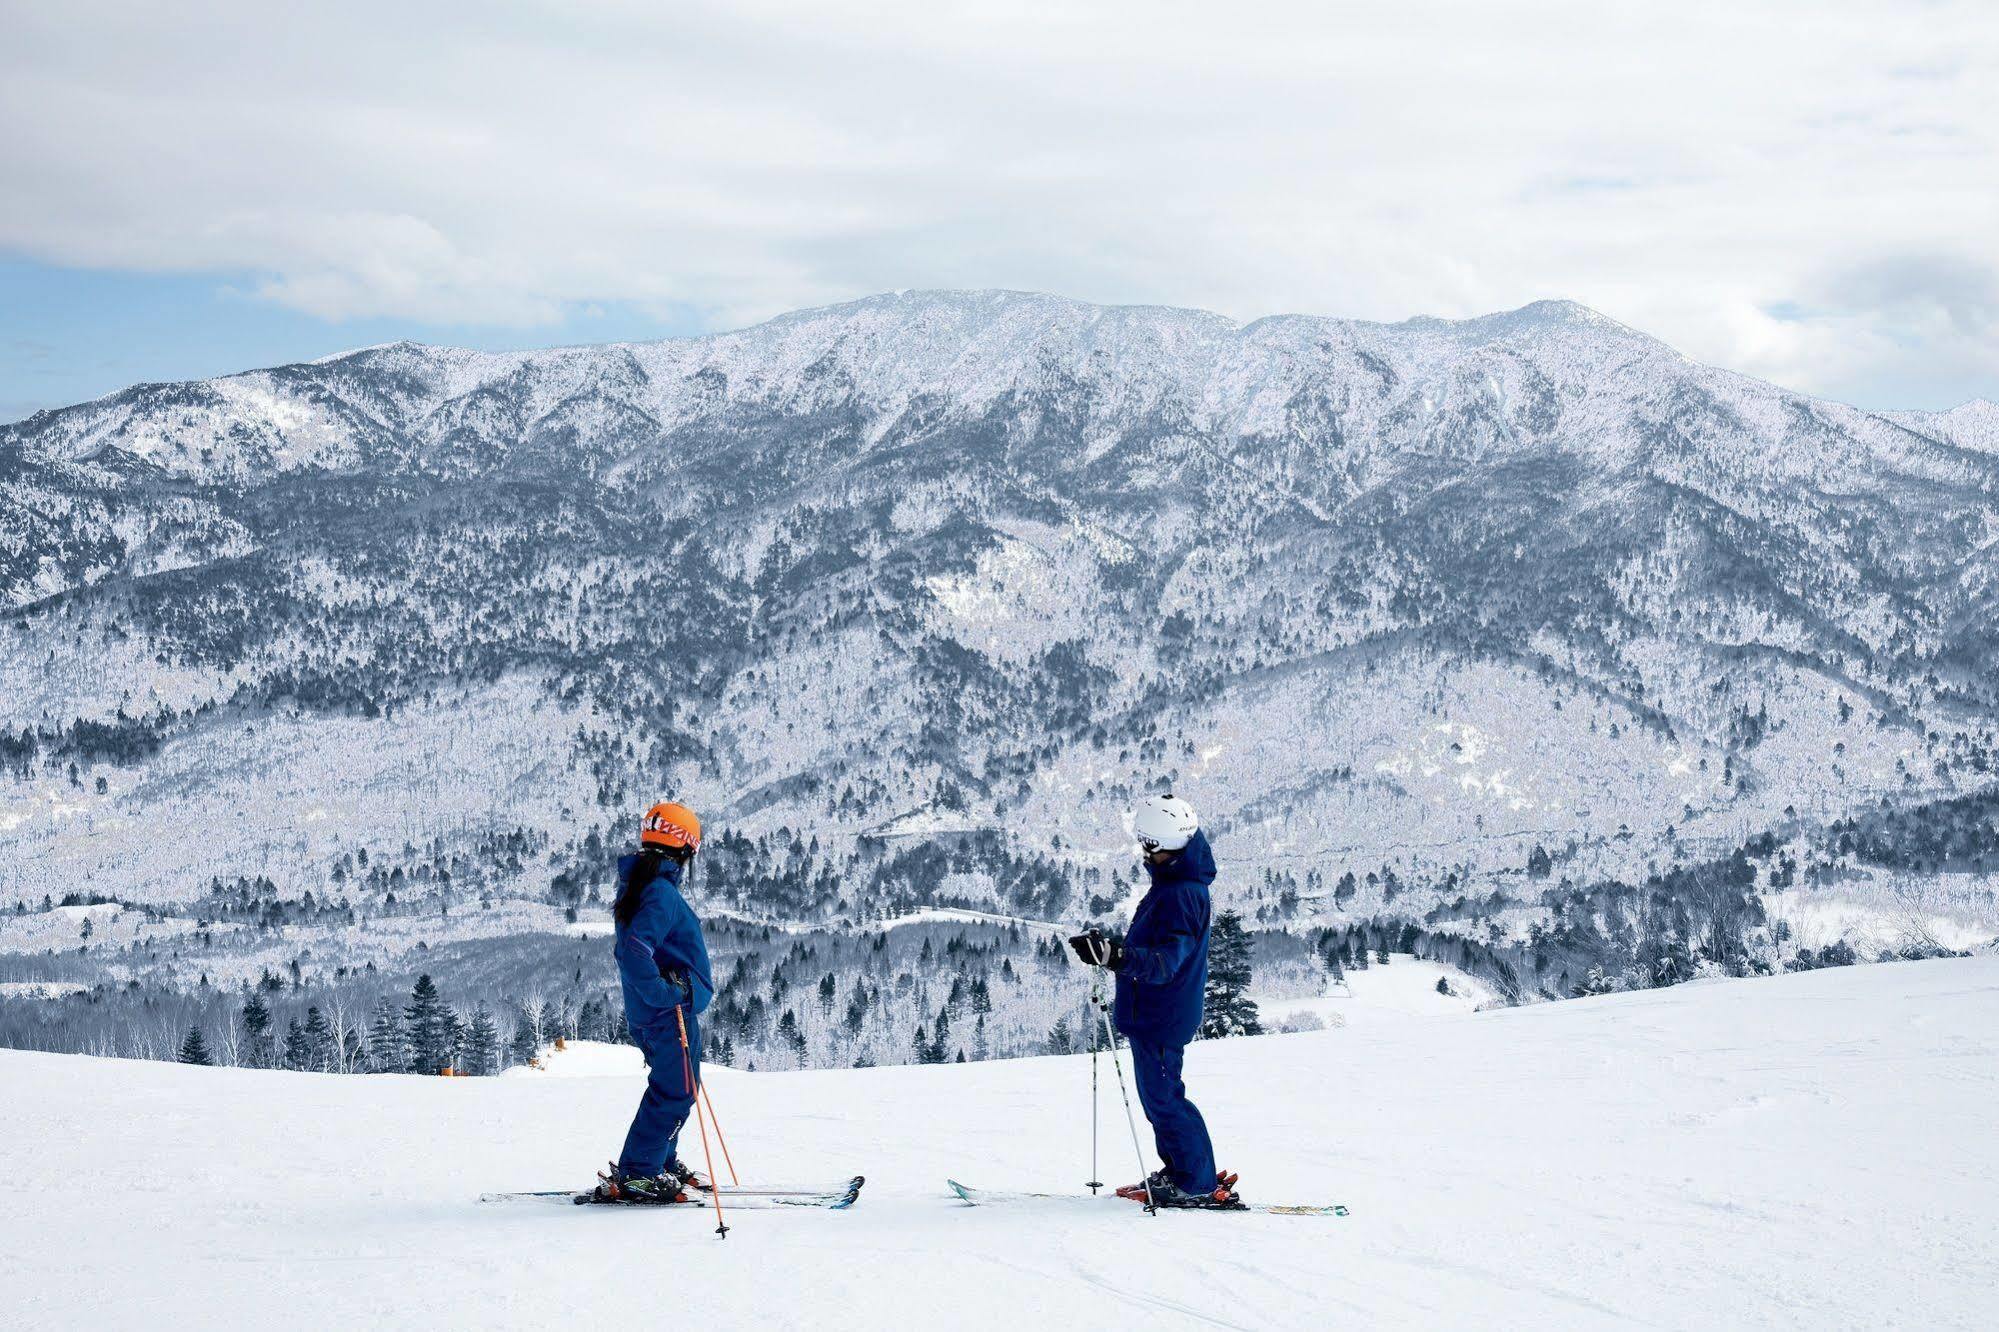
<point>1096,996</point>
<point>720,1141</point>
<point>1104,1014</point>
<point>700,1121</point>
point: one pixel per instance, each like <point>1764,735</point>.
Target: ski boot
<point>1220,1198</point>
<point>1165,1193</point>
<point>689,1178</point>
<point>1160,1180</point>
<point>617,1186</point>
<point>1155,1181</point>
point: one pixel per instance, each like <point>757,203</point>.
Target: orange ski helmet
<point>671,826</point>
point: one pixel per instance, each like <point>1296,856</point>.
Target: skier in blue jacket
<point>1161,967</point>
<point>663,964</point>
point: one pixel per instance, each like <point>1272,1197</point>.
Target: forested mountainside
<point>1586,662</point>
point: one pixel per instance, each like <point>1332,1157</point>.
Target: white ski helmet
<point>1164,823</point>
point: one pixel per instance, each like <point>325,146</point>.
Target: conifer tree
<point>296,1052</point>
<point>385,1040</point>
<point>857,1009</point>
<point>456,1033</point>
<point>940,1044</point>
<point>1229,1011</point>
<point>318,1041</point>
<point>427,1024</point>
<point>523,1049</point>
<point>482,1044</point>
<point>257,1038</point>
<point>194,1050</point>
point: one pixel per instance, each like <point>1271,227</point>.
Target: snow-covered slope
<point>1806,1151</point>
<point>1383,994</point>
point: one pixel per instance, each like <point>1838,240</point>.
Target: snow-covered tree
<point>386,1053</point>
<point>428,1023</point>
<point>1228,1010</point>
<point>194,1050</point>
<point>319,1048</point>
<point>258,1043</point>
<point>482,1044</point>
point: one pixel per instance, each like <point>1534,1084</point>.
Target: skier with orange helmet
<point>663,964</point>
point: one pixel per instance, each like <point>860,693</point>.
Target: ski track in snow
<point>1809,1150</point>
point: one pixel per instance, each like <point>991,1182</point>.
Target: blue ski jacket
<point>662,956</point>
<point>1164,977</point>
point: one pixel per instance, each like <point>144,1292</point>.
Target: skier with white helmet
<point>1161,966</point>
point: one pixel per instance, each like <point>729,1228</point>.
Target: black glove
<point>1094,950</point>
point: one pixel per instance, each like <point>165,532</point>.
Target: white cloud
<point>1724,175</point>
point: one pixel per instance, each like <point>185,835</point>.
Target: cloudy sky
<point>1804,190</point>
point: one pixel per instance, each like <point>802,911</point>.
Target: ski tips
<point>1285,1209</point>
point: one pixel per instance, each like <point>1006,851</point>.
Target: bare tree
<point>340,1059</point>
<point>229,1047</point>
<point>1919,904</point>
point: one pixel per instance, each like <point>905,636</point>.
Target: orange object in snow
<point>670,825</point>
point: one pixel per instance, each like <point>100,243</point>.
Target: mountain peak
<point>1558,309</point>
<point>1549,317</point>
<point>399,345</point>
<point>1969,425</point>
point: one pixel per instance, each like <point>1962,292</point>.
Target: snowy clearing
<point>588,1059</point>
<point>1389,992</point>
<point>1808,1150</point>
<point>40,989</point>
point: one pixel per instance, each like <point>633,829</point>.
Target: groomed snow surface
<point>1814,1150</point>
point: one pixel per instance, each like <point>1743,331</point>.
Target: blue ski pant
<point>670,1086</point>
<point>1177,1127</point>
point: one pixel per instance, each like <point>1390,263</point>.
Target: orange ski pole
<point>687,1078</point>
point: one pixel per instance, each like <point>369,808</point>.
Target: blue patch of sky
<point>68,335</point>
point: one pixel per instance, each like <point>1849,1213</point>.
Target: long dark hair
<point>632,894</point>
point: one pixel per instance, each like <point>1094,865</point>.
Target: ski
<point>850,1188</point>
<point>750,1198</point>
<point>981,1197</point>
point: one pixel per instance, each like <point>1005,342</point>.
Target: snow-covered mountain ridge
<point>1972,425</point>
<point>1523,378</point>
<point>1493,626</point>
